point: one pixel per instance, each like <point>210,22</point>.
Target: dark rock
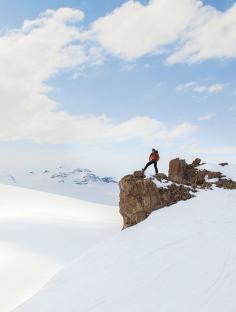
<point>108,180</point>
<point>161,176</point>
<point>213,174</point>
<point>196,162</point>
<point>226,184</point>
<point>224,164</point>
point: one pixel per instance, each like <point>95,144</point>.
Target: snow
<point>229,171</point>
<point>162,183</point>
<point>65,255</point>
<point>213,180</point>
<point>182,258</point>
<point>78,183</point>
<point>41,233</point>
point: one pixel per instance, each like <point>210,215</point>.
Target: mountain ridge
<point>68,181</point>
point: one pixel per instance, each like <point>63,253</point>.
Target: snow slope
<point>229,171</point>
<point>181,259</point>
<point>41,233</point>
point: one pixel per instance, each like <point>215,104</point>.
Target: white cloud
<point>134,30</point>
<point>182,130</point>
<point>29,57</point>
<point>207,117</point>
<point>127,67</point>
<point>148,129</point>
<point>186,86</point>
<point>210,35</point>
<point>33,54</point>
<point>216,88</point>
<point>235,92</point>
<point>200,88</point>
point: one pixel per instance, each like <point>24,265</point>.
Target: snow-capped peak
<point>75,182</point>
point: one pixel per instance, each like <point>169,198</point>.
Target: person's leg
<point>147,165</point>
<point>155,166</point>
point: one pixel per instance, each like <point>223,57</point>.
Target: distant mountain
<point>74,182</point>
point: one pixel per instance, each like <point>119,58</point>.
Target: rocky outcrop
<point>189,174</point>
<point>226,184</point>
<point>196,162</point>
<point>177,170</point>
<point>139,196</point>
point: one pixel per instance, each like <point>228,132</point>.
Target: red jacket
<point>154,156</point>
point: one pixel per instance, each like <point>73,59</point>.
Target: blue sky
<point>189,105</point>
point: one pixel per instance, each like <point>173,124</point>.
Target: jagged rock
<point>174,193</point>
<point>139,174</point>
<point>139,196</point>
<point>196,162</point>
<point>224,164</point>
<point>161,176</point>
<point>181,172</point>
<point>226,184</point>
<point>212,174</point>
<point>177,170</point>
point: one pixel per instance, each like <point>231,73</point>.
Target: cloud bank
<point>33,54</point>
<point>186,30</point>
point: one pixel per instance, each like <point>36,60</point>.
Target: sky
<point>97,84</point>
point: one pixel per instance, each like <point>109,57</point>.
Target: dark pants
<point>152,162</point>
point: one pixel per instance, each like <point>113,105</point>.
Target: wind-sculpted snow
<point>41,233</point>
<point>182,258</point>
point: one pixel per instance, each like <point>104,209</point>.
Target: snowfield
<point>181,259</point>
<point>65,255</point>
<point>66,181</point>
<point>41,233</point>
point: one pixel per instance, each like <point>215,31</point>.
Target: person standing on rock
<point>153,159</point>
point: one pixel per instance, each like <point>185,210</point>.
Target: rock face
<point>178,170</point>
<point>139,196</point>
<point>181,172</point>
